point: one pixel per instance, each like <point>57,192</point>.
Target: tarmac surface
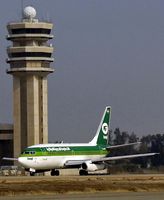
<point>95,187</point>
<point>93,196</point>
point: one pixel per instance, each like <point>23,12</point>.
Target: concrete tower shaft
<point>29,58</point>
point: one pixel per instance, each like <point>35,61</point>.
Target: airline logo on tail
<point>105,130</point>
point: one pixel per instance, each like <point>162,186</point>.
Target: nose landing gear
<point>32,173</point>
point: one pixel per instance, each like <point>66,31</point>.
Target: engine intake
<point>88,166</point>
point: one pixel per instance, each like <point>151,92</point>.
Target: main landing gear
<point>83,172</point>
<point>55,172</point>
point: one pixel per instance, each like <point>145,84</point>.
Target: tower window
<point>30,30</point>
<point>30,54</point>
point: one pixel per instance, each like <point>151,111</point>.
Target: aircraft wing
<point>78,163</point>
<point>122,145</point>
<point>106,159</point>
<point>11,159</point>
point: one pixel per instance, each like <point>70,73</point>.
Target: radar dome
<point>29,12</point>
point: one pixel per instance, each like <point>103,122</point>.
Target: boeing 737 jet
<point>87,157</point>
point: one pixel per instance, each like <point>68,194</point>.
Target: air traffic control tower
<point>29,58</point>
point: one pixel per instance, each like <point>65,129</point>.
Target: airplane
<point>87,157</point>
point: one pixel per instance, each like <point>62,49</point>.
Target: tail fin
<point>101,136</point>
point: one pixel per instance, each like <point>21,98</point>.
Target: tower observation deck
<point>29,58</point>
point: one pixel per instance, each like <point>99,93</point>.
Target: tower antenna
<point>22,5</point>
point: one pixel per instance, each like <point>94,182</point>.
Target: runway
<point>82,187</point>
<point>95,196</point>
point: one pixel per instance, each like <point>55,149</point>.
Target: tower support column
<point>17,116</point>
<point>44,111</point>
<point>33,110</point>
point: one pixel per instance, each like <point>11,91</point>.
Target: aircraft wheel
<point>83,172</point>
<point>32,173</point>
<point>55,173</point>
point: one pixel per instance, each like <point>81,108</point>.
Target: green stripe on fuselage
<point>64,151</point>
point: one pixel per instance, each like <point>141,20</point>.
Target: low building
<point>6,143</point>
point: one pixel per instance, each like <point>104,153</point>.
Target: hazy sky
<point>107,52</point>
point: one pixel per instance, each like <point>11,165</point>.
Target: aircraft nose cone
<point>20,160</point>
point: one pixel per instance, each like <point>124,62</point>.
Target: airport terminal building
<point>6,143</point>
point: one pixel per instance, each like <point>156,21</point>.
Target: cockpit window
<point>29,152</point>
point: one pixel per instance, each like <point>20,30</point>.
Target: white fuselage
<point>55,162</point>
<point>51,162</point>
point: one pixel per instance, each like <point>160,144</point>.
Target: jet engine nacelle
<point>88,166</point>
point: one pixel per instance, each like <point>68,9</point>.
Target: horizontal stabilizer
<point>122,145</point>
<point>11,159</point>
